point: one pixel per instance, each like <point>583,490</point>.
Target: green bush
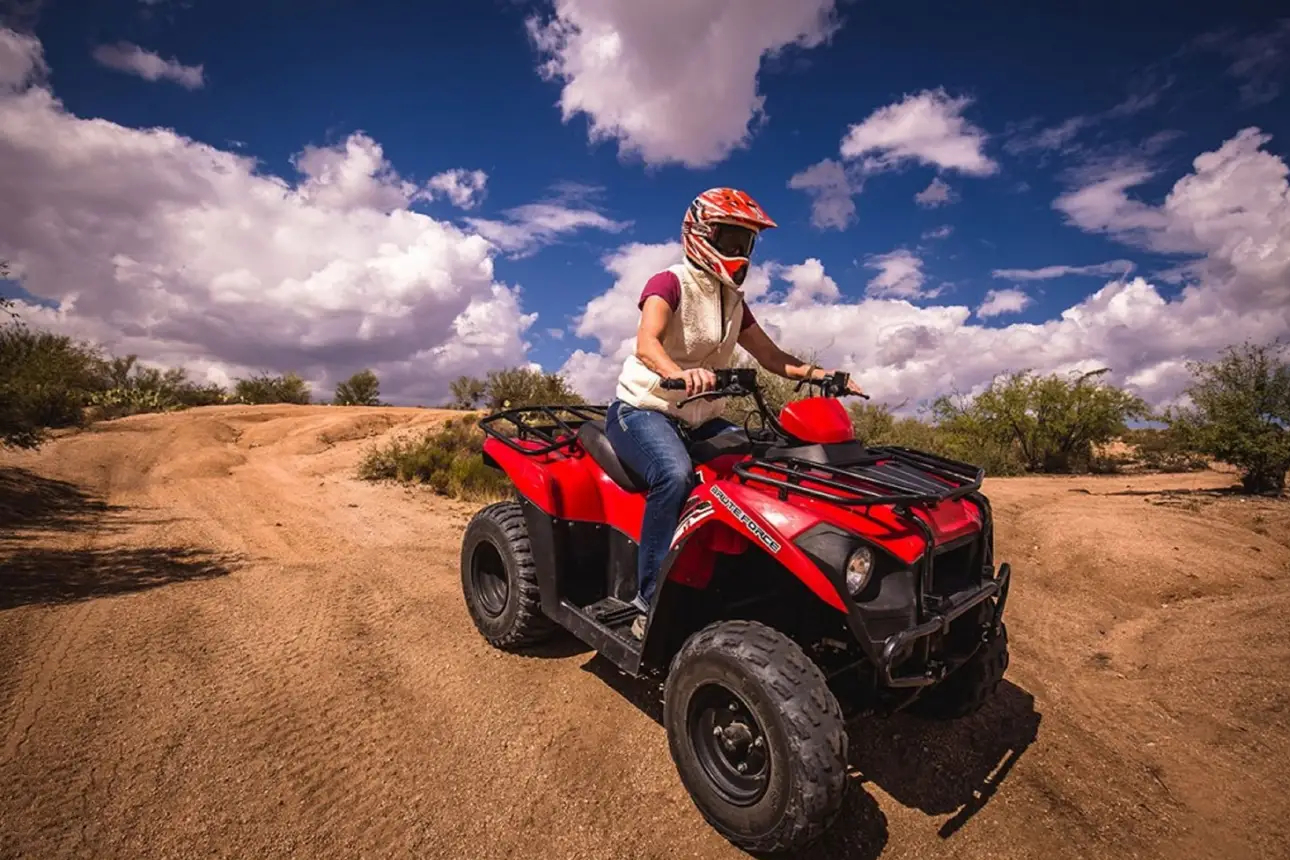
<point>263,388</point>
<point>46,380</point>
<point>361,389</point>
<point>131,389</point>
<point>1051,423</point>
<point>1164,450</point>
<point>513,388</point>
<point>448,458</point>
<point>1240,414</point>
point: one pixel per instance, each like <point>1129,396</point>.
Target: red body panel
<point>570,485</point>
<point>817,419</point>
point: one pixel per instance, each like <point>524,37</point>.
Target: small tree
<point>361,389</point>
<point>519,387</point>
<point>467,391</point>
<point>263,388</point>
<point>1241,413</point>
<point>873,422</point>
<point>46,380</point>
<point>1054,421</point>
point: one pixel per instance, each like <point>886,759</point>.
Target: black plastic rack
<point>553,434</point>
<point>889,475</point>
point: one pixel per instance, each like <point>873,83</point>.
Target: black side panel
<point>892,608</point>
<point>547,554</point>
<point>621,568</point>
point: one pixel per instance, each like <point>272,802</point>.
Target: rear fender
<point>562,483</point>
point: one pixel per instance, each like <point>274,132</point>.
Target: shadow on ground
<point>940,768</point>
<point>31,502</point>
<point>45,576</point>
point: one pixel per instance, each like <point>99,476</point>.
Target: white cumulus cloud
<point>1047,273</point>
<point>832,190</point>
<point>462,188</point>
<point>900,275</point>
<point>924,128</point>
<point>938,193</point>
<point>998,302</point>
<point>150,242</point>
<point>134,60</point>
<point>672,81</point>
<point>527,228</point>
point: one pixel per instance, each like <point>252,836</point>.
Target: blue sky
<point>441,87</point>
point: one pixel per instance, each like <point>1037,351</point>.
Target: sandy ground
<point>215,641</point>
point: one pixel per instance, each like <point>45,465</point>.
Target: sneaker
<point>638,627</point>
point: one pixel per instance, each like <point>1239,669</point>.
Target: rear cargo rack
<point>886,475</point>
<point>552,434</point>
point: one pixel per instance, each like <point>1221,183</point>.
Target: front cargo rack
<point>552,434</point>
<point>884,475</point>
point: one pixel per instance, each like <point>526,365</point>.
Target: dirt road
<point>215,641</point>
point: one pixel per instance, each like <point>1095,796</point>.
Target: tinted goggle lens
<point>733,241</point>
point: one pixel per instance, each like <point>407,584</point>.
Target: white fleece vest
<point>694,337</point>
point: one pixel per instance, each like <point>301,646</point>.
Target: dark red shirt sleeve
<point>666,286</point>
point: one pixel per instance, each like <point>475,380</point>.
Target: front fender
<point>726,517</point>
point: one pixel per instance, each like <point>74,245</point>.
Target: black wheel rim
<point>730,744</point>
<point>488,579</point>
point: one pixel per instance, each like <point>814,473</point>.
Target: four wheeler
<point>810,578</point>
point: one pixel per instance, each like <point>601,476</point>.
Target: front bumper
<point>896,646</point>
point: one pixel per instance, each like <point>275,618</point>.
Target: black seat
<point>730,442</point>
<point>594,441</point>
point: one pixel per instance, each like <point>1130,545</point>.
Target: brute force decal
<point>693,517</point>
<point>749,522</point>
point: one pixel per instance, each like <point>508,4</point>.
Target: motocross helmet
<point>720,230</point>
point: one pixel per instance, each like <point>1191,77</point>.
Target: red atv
<point>810,578</point>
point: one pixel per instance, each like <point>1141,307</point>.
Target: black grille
<point>954,569</point>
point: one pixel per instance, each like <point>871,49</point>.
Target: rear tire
<point>499,578</point>
<point>969,687</point>
<point>776,716</point>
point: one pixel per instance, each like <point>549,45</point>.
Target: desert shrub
<point>1052,423</point>
<point>130,388</point>
<point>449,459</point>
<point>263,388</point>
<point>46,380</point>
<point>361,389</point>
<point>1240,413</point>
<point>522,386</point>
<point>513,388</point>
<point>467,392</point>
<point>1164,450</point>
<point>874,424</point>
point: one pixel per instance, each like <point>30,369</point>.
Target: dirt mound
<point>214,638</point>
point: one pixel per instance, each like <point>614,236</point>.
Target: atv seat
<point>593,439</point>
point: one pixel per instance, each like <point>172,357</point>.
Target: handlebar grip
<point>673,384</point>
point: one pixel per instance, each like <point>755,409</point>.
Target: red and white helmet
<point>719,231</point>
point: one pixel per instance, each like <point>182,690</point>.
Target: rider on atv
<point>687,329</point>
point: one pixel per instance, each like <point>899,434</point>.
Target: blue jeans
<point>650,443</point>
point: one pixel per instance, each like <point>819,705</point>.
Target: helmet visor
<point>733,240</point>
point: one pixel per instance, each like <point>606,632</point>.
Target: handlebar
<point>742,382</point>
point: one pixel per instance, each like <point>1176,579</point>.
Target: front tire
<point>499,578</point>
<point>757,736</point>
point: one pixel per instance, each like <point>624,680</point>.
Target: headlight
<point>859,566</point>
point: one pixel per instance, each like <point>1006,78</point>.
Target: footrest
<point>612,612</point>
